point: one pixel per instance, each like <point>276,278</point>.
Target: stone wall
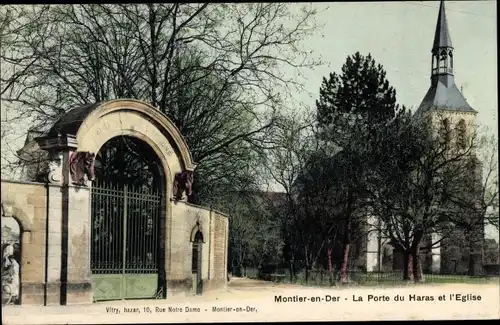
<point>220,225</point>
<point>55,218</point>
<point>26,202</point>
<point>55,243</point>
<point>186,220</point>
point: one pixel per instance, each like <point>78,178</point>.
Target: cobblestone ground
<point>251,300</point>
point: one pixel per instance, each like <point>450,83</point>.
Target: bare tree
<point>428,178</point>
<point>214,69</point>
<point>478,202</point>
<point>488,156</point>
<point>254,232</point>
<point>292,142</point>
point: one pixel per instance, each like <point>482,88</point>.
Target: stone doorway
<point>127,260</point>
<point>197,262</point>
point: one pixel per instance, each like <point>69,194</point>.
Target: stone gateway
<point>101,229</point>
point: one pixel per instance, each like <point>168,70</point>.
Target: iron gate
<point>125,253</point>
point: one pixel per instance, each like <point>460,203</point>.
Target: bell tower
<point>442,51</point>
<point>454,122</point>
<point>444,102</point>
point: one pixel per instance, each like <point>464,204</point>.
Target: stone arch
<point>81,120</point>
<point>10,210</point>
<point>197,241</point>
<point>88,128</point>
<point>93,125</point>
<point>194,233</point>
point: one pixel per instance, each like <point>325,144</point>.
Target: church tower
<point>454,122</point>
<point>444,103</point>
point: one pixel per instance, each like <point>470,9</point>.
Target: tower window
<point>444,131</point>
<point>461,134</point>
<point>443,55</point>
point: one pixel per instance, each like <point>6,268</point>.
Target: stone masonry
<point>55,216</point>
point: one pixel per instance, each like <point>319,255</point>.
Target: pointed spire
<point>443,93</point>
<point>442,36</point>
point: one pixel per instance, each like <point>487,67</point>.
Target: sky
<point>399,35</point>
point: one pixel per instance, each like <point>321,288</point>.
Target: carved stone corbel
<point>81,167</point>
<point>183,185</point>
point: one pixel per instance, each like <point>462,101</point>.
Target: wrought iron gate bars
<point>125,219</point>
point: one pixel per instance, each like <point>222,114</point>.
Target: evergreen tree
<point>353,108</point>
<point>361,89</point>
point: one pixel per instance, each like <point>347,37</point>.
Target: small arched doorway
<point>128,222</point>
<point>11,261</point>
<point>197,262</point>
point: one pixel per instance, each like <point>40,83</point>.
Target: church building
<point>452,116</point>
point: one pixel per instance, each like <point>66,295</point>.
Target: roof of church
<point>443,93</point>
<point>442,35</point>
<point>442,97</point>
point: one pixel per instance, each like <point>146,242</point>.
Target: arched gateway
<point>117,224</point>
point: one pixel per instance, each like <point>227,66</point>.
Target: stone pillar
<point>210,248</point>
<point>53,243</point>
<point>79,282</point>
<point>68,262</point>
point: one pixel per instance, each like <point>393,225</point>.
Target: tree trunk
<point>330,273</point>
<point>344,272</point>
<point>240,270</point>
<point>418,274</point>
<point>307,266</point>
<point>408,267</point>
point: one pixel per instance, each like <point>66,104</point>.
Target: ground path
<point>252,300</point>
